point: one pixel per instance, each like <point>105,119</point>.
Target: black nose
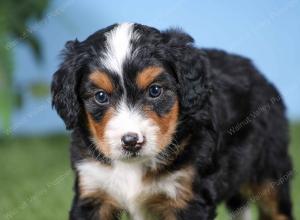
<point>130,142</point>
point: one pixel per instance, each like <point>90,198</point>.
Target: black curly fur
<point>234,116</point>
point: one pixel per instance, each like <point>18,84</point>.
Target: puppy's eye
<point>155,91</point>
<point>101,97</point>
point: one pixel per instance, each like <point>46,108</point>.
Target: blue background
<point>266,31</point>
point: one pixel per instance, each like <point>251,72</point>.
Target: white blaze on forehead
<point>118,46</point>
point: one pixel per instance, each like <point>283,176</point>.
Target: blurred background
<point>35,176</point>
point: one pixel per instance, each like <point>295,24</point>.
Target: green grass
<point>36,180</point>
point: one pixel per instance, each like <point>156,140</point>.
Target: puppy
<point>164,130</point>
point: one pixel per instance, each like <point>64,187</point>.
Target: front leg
<point>207,192</point>
<point>84,210</point>
<point>95,206</point>
<point>91,209</point>
<point>197,210</point>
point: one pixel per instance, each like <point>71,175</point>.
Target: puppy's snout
<point>132,142</point>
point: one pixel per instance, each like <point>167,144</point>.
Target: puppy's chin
<point>130,157</point>
<point>134,158</point>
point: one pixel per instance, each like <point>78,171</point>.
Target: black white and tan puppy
<point>164,130</point>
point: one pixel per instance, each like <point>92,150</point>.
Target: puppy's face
<point>131,114</point>
<point>127,84</point>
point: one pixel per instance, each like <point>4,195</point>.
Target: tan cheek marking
<point>98,129</point>
<point>146,77</point>
<point>102,80</point>
<point>166,123</point>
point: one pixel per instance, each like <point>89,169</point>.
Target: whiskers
<point>95,153</point>
<point>167,155</point>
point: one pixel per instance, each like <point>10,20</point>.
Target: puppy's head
<point>130,85</point>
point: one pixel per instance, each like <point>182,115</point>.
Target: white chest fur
<point>124,182</point>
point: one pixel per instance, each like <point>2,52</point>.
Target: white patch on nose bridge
<point>118,46</point>
<point>126,120</point>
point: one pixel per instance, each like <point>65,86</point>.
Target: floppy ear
<point>65,83</point>
<point>191,68</point>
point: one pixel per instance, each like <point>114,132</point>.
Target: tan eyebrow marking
<point>102,80</point>
<point>147,75</point>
